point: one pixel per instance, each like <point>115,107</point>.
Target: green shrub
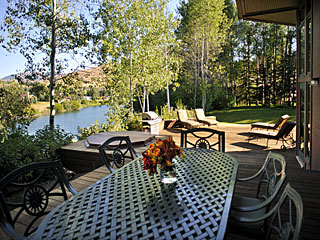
<point>58,107</point>
<point>75,105</point>
<point>133,122</point>
<point>20,149</point>
<point>180,105</point>
<point>93,129</point>
<point>72,105</point>
<point>84,102</point>
<point>16,151</point>
<point>15,108</point>
<point>50,141</point>
<point>164,112</point>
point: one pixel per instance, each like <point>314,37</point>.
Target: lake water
<point>69,121</point>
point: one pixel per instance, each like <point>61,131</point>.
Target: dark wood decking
<point>250,157</point>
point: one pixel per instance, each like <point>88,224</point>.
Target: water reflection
<point>71,120</point>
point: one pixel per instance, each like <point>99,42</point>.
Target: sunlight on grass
<point>250,115</point>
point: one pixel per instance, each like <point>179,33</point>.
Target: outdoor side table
<point>129,204</point>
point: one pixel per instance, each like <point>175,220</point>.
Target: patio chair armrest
<point>10,231</point>
<point>249,178</point>
<point>71,189</point>
<point>253,207</point>
<point>253,220</point>
<point>257,173</point>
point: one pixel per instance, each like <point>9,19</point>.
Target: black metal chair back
<point>115,150</point>
<point>205,138</point>
<point>27,190</point>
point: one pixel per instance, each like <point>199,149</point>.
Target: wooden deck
<point>250,157</point>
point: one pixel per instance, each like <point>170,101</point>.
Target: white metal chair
<point>280,222</point>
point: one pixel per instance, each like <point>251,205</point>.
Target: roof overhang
<point>271,11</point>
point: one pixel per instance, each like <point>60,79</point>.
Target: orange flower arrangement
<point>161,152</point>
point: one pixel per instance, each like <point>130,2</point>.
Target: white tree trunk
<point>168,90</point>
<point>52,65</point>
<point>202,72</point>
<point>131,94</point>
<point>195,73</point>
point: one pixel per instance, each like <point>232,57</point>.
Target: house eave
<point>270,11</point>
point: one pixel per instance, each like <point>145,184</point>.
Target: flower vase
<point>168,175</point>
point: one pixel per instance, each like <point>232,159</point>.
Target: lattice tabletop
<point>129,204</point>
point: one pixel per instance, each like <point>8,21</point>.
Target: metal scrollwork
<point>272,181</point>
<point>202,143</point>
<point>118,158</point>
<point>35,200</point>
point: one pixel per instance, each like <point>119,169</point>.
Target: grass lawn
<point>247,115</point>
<point>41,107</point>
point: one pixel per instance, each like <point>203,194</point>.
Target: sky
<point>11,63</point>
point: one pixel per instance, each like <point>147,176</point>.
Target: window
<point>302,49</point>
<point>308,43</point>
<point>304,77</point>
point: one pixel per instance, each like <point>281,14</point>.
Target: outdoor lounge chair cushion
<point>203,119</point>
<point>183,118</point>
<point>264,125</point>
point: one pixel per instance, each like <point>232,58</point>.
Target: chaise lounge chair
<point>211,120</point>
<point>269,126</point>
<point>283,134</point>
<point>185,121</point>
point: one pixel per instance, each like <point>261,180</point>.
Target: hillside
<point>87,76</point>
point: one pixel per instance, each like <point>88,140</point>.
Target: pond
<point>70,121</point>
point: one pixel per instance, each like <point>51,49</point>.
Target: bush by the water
<point>73,105</point>
<point>20,148</point>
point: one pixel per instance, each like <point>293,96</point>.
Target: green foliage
<point>49,141</point>
<point>137,46</point>
<point>203,31</point>
<point>219,100</point>
<point>16,151</point>
<point>45,28</point>
<point>72,105</point>
<point>93,129</point>
<point>260,64</point>
<point>165,114</point>
<point>121,119</point>
<point>59,108</point>
<point>180,104</point>
<point>40,90</point>
<point>14,108</point>
<point>20,149</point>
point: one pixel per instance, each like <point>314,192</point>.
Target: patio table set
<point>131,204</point>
